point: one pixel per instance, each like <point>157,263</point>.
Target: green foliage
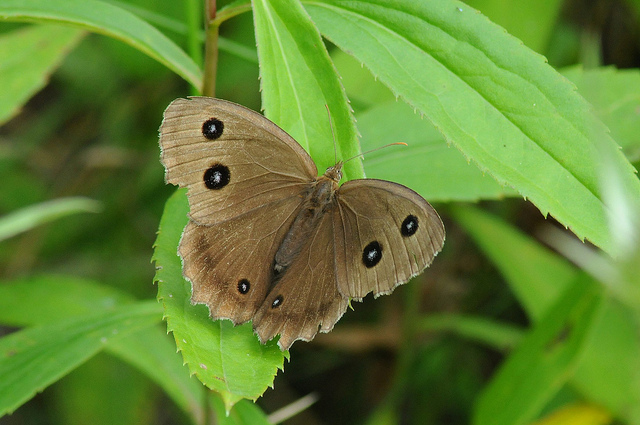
<point>497,101</point>
<point>425,143</point>
<point>35,357</point>
<point>106,19</point>
<point>299,84</point>
<point>525,336</point>
<point>30,55</point>
<point>613,93</point>
<point>27,218</point>
<point>551,349</point>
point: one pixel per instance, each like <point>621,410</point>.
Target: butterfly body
<point>271,241</point>
<point>319,199</point>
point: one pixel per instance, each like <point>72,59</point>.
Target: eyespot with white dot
<point>243,286</point>
<point>277,302</point>
<point>212,128</point>
<point>409,226</point>
<point>372,254</point>
<point>217,176</point>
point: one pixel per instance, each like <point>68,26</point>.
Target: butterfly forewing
<point>232,159</point>
<point>385,234</point>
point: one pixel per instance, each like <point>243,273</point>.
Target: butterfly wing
<point>229,264</point>
<point>232,159</point>
<point>305,299</point>
<point>246,179</point>
<point>385,234</point>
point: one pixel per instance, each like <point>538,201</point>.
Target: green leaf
<point>164,22</point>
<point>298,80</point>
<point>608,371</point>
<point>33,358</point>
<point>154,353</point>
<point>615,96</point>
<point>545,359</point>
<point>244,412</point>
<point>538,277</point>
<point>532,21</point>
<point>44,212</point>
<point>227,359</point>
<point>39,300</point>
<point>499,336</point>
<point>101,391</point>
<point>42,299</point>
<point>495,99</point>
<point>110,20</point>
<point>430,167</point>
<point>362,89</point>
<point>29,56</point>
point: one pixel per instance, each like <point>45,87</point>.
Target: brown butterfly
<point>270,241</point>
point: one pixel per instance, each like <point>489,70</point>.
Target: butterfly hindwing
<point>305,299</point>
<point>229,264</point>
<point>385,233</point>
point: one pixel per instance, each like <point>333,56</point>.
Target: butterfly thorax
<point>318,199</point>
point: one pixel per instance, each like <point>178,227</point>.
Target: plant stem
<point>210,50</point>
<point>210,62</point>
<point>214,20</point>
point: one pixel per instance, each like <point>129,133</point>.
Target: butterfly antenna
<point>335,149</point>
<point>376,149</point>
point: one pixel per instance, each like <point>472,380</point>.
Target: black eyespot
<point>372,254</point>
<point>217,177</point>
<point>243,286</point>
<point>409,226</point>
<point>212,128</point>
<point>277,302</point>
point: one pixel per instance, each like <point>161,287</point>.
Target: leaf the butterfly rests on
<point>270,241</point>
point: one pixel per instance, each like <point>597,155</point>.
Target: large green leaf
<point>107,19</point>
<point>496,100</point>
<point>615,96</point>
<point>225,358</point>
<point>29,56</point>
<point>43,299</point>
<point>544,360</point>
<point>427,165</point>
<point>299,83</point>
<point>33,358</point>
<point>538,277</point>
<point>39,300</point>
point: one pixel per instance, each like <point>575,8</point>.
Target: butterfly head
<point>334,173</point>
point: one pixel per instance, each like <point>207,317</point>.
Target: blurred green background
<point>92,131</point>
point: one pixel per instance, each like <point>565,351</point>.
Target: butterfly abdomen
<point>319,200</point>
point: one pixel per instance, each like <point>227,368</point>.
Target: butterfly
<point>268,240</point>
